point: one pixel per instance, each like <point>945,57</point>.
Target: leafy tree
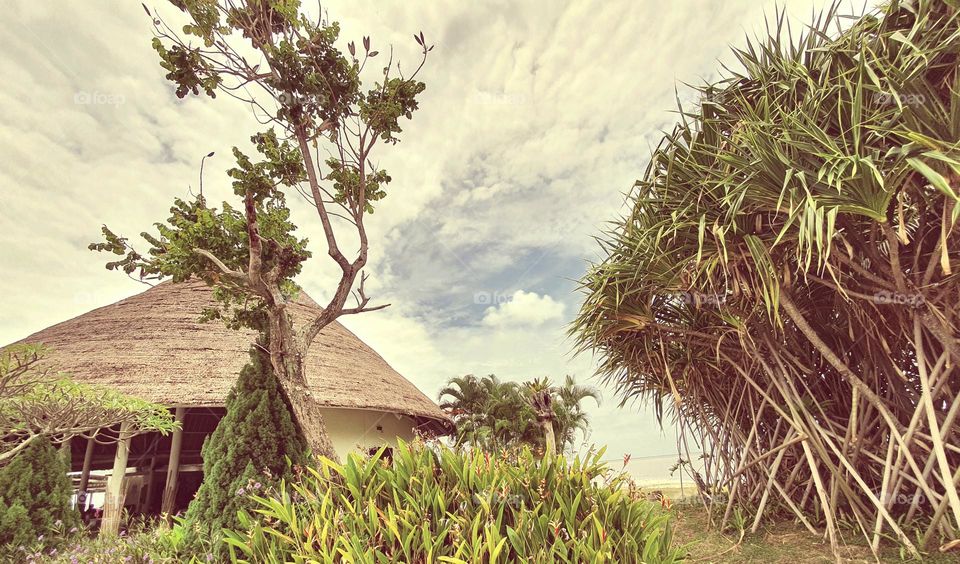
<point>256,444</point>
<point>288,68</point>
<point>569,415</point>
<point>487,411</point>
<point>37,402</point>
<point>493,414</point>
<point>34,494</point>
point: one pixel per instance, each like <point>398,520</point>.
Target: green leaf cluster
<point>36,401</point>
<point>443,505</point>
<point>492,414</point>
<point>793,173</point>
<point>187,69</point>
<point>35,495</point>
<point>193,225</point>
<point>255,445</point>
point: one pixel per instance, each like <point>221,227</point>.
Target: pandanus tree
<point>783,285</point>
<point>284,64</point>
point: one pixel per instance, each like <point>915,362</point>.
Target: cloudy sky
<point>536,119</point>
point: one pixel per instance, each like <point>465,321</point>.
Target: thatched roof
<point>152,346</point>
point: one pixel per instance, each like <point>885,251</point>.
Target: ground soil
<point>782,541</point>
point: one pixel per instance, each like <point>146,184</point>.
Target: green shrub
<point>452,506</point>
<point>34,494</point>
<point>255,443</point>
<point>144,541</point>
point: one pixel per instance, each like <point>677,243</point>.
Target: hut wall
<point>358,430</point>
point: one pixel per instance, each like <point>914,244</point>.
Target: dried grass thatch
<point>152,346</point>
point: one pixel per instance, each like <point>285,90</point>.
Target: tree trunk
<point>116,485</point>
<point>309,416</point>
<point>169,499</point>
<point>549,438</point>
<point>288,357</point>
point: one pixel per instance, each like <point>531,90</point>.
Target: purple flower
<point>240,491</point>
<point>40,538</point>
<point>256,485</point>
<point>53,551</point>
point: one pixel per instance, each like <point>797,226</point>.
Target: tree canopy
<point>492,414</point>
<point>309,96</point>
<point>37,402</point>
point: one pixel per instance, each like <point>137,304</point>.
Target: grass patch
<point>781,541</point>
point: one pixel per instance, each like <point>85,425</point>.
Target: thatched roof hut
<point>153,346</point>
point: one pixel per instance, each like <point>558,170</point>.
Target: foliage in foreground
<point>456,506</point>
<point>148,541</point>
<point>38,402</point>
<point>492,414</point>
<point>254,446</point>
<point>34,494</point>
<point>785,282</point>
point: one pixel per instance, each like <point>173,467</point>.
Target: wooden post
<point>173,466</point>
<point>113,504</point>
<point>151,470</point>
<point>82,500</point>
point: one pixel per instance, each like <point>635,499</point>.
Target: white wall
<point>353,430</point>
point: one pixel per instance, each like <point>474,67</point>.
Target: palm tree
<point>540,395</point>
<point>487,412</point>
<point>466,394</point>
<point>465,398</point>
<point>492,414</point>
<point>570,415</point>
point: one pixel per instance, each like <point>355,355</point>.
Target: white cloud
<point>523,309</point>
<point>537,116</point>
